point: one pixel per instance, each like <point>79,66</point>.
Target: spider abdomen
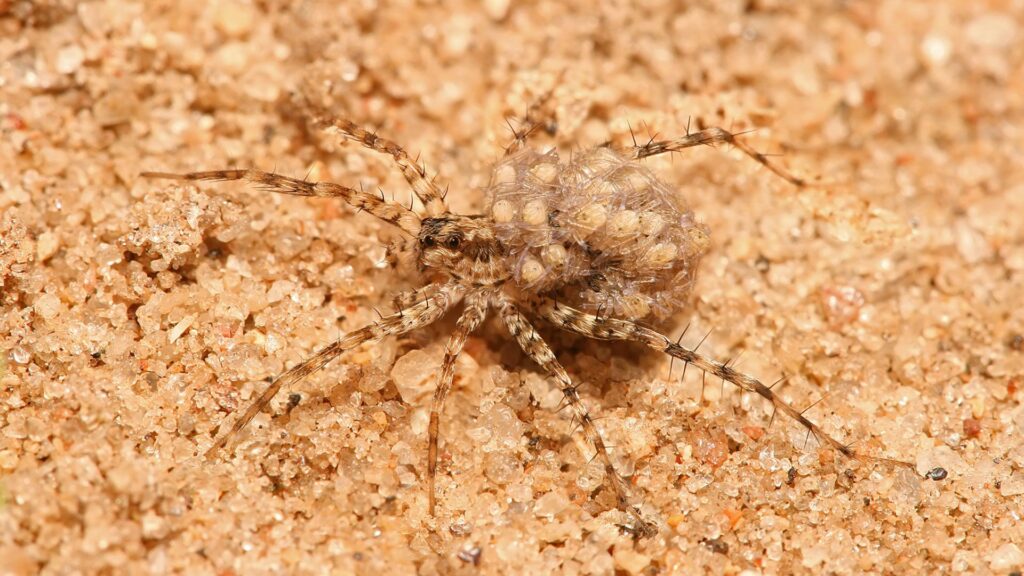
<point>600,231</point>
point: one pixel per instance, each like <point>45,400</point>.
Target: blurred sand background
<point>136,316</point>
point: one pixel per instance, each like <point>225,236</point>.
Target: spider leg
<point>537,115</point>
<point>415,174</point>
<point>535,347</point>
<point>414,317</point>
<point>710,137</point>
<point>405,299</point>
<point>604,328</point>
<point>473,314</point>
<point>391,212</point>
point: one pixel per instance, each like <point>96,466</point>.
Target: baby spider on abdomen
<point>593,245</point>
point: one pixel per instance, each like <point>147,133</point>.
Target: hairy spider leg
<point>407,298</point>
<point>536,116</point>
<point>416,316</point>
<point>605,328</point>
<point>415,174</point>
<point>473,314</point>
<point>374,204</point>
<point>710,137</point>
<point>534,346</point>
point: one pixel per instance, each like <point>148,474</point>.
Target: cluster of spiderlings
<point>600,231</point>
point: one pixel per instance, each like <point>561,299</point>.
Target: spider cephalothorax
<point>590,245</point>
<point>463,248</point>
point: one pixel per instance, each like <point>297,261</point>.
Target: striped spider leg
<point>534,346</point>
<point>374,204</point>
<point>606,328</point>
<point>415,174</point>
<point>710,137</point>
<point>418,315</point>
<point>473,314</point>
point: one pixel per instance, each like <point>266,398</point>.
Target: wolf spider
<point>592,246</point>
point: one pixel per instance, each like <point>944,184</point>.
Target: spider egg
<point>535,212</point>
<point>699,241</point>
<point>503,211</point>
<point>554,255</point>
<point>591,217</point>
<point>505,174</point>
<point>545,172</point>
<point>661,255</point>
<point>623,223</point>
<point>634,306</point>
<point>638,182</point>
<point>651,223</point>
<point>531,271</point>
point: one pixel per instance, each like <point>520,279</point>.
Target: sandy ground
<point>136,316</point>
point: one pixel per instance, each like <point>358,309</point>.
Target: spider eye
<point>428,241</point>
<point>454,242</point>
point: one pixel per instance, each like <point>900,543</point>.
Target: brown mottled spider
<point>593,245</point>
